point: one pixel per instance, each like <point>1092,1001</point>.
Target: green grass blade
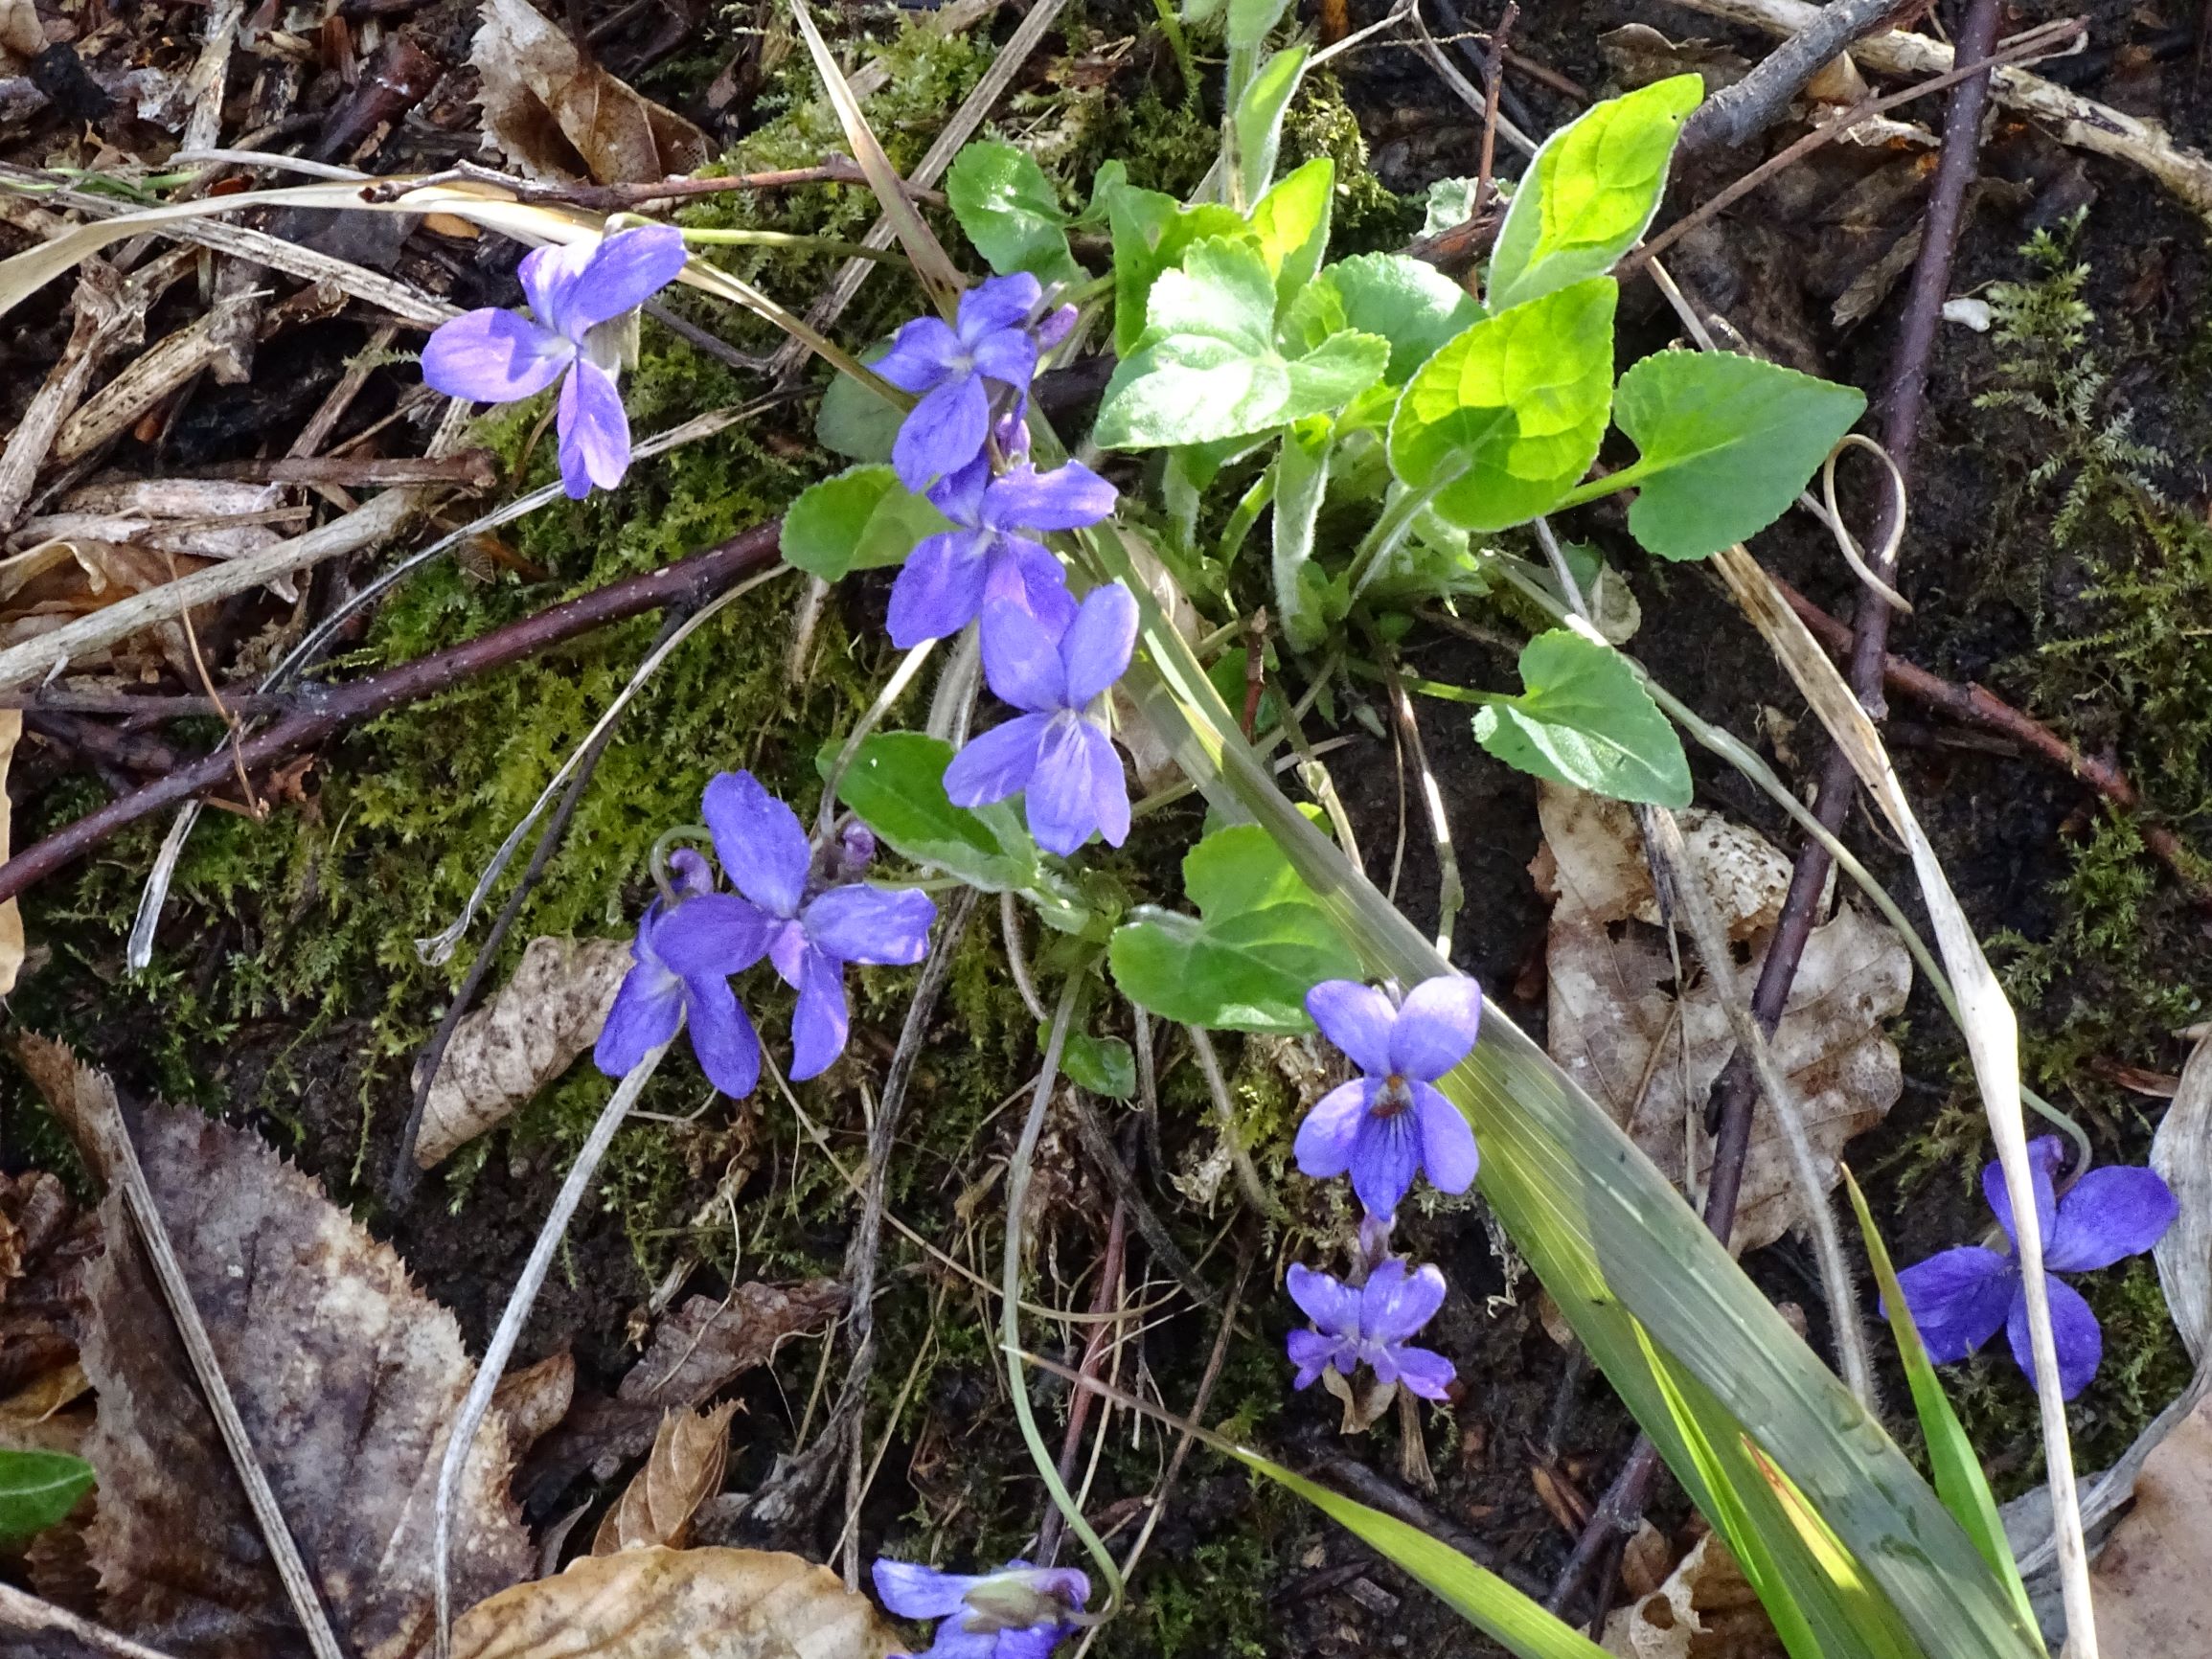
<point>1617,1247</point>
<point>1950,1456</point>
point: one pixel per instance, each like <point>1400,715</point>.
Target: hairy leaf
<point>1414,306</point>
<point>1256,129</point>
<point>1150,234</point>
<point>657,1604</point>
<point>529,1034</point>
<point>1726,444</point>
<point>1208,368</point>
<point>1589,192</point>
<point>1584,720</point>
<point>1259,942</point>
<point>1291,221</point>
<point>861,519</point>
<point>1509,416</point>
<point>1010,211</point>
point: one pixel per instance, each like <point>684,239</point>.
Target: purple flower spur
<point>995,555</point>
<point>576,292</point>
<point>1372,1325</point>
<point>1056,749</point>
<point>1959,1298</point>
<point>1018,1612</point>
<point>1391,1123</point>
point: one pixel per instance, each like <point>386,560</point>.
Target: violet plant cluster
<point>808,910</point>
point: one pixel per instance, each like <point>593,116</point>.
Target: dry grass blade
<point>933,266</point>
<point>656,1603</point>
<point>2181,1152</point>
<point>682,1471</point>
<point>1986,1020</point>
<point>11,914</point>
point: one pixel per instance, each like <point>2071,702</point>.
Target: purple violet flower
<point>806,930</point>
<point>1960,1297</point>
<point>685,951</point>
<point>1056,750</point>
<point>1372,1323</point>
<point>948,365</point>
<point>1391,1123</point>
<point>1018,1612</point>
<point>995,555</point>
<point>577,292</point>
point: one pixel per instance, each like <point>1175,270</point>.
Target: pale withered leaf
<point>657,1604</point>
<point>557,116</point>
<point>682,1471</point>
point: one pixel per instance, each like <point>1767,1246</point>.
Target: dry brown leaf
<point>1650,1058</point>
<point>535,1399</point>
<point>345,1376</point>
<point>21,33</point>
<point>529,1034</point>
<point>557,116</point>
<point>45,1241</point>
<point>1704,1610</point>
<point>694,1352</point>
<point>2154,1582</point>
<point>682,1471</point>
<point>706,1603</point>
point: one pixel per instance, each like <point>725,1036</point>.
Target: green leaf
<point>1589,192</point>
<point>1584,720</point>
<point>1102,1065</point>
<point>854,420</point>
<point>38,1488</point>
<point>1959,1481</point>
<point>1726,444</point>
<point>859,521</point>
<point>1448,205</point>
<point>895,783</point>
<point>1414,306</point>
<point>1010,211</point>
<point>1249,20</point>
<point>1291,221</point>
<point>1508,416</point>
<point>1208,368</point>
<point>1300,586</point>
<point>1150,234</point>
<point>1259,942</point>
<point>1257,128</point>
<point>1111,176</point>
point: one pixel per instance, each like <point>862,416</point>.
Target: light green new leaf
<point>1261,941</point>
<point>1256,129</point>
<point>1150,234</point>
<point>1727,442</point>
<point>1448,204</point>
<point>1959,1481</point>
<point>1585,720</point>
<point>1589,192</point>
<point>1249,22</point>
<point>38,1488</point>
<point>1511,412</point>
<point>895,783</point>
<point>1414,306</point>
<point>1208,368</point>
<point>1291,221</point>
<point>1010,211</point>
<point>861,519</point>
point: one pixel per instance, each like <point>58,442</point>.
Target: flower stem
<point>1017,1174</point>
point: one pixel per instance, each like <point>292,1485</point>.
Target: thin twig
<point>1094,1349</point>
<point>692,579</point>
<point>1741,111</point>
<point>27,1615</point>
<point>512,1319</point>
<point>1092,1130</point>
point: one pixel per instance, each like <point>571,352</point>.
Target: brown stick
<point>469,468</point>
<point>627,197</point>
<point>1755,102</point>
<point>693,579</point>
<point>1735,1091</point>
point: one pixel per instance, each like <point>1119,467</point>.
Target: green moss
<point>1369,217</point>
